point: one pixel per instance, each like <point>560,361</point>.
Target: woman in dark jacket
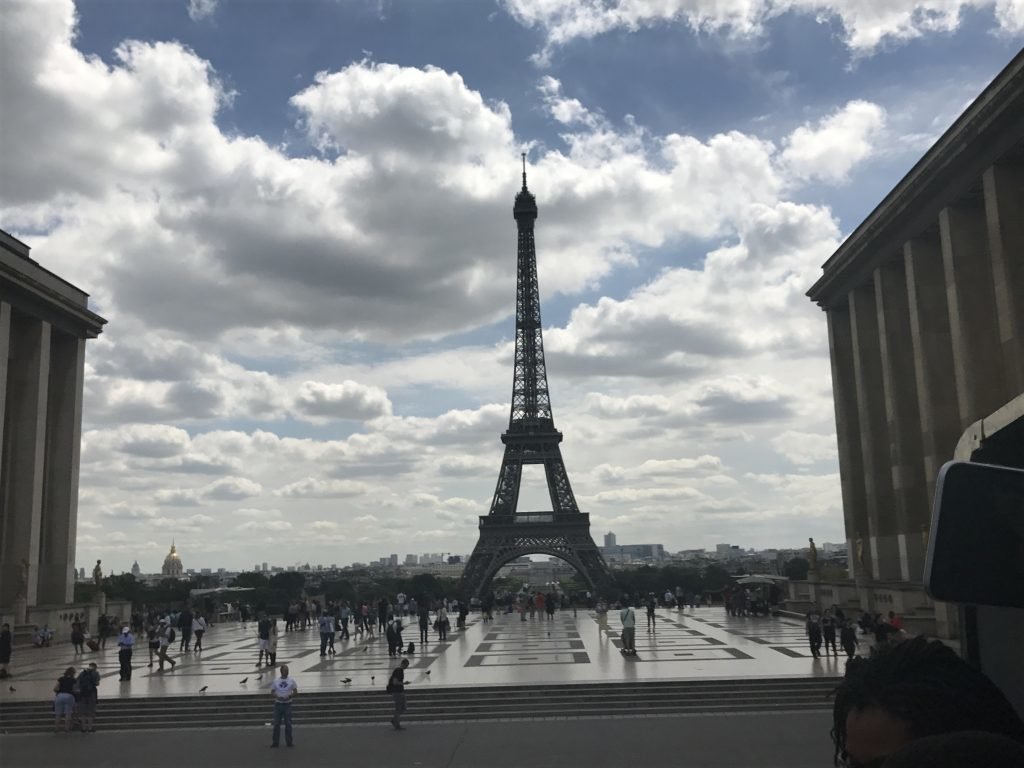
<point>64,701</point>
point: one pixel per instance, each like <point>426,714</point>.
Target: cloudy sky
<point>297,217</point>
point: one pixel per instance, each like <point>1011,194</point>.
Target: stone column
<point>899,385</point>
<point>970,292</point>
<point>24,445</point>
<point>5,351</point>
<point>1004,216</point>
<point>63,445</point>
<point>874,435</point>
<point>932,347</point>
<point>851,467</point>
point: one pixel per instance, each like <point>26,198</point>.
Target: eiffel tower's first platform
<point>531,438</point>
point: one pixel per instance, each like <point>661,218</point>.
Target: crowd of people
<point>823,628</point>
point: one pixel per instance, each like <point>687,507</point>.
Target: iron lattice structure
<point>531,438</point>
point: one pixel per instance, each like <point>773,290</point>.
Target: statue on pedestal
<point>97,574</point>
<point>812,555</point>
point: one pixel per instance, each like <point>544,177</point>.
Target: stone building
<point>44,323</point>
<point>925,310</point>
<point>172,567</point>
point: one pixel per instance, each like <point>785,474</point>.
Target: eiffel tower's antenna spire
<point>524,170</point>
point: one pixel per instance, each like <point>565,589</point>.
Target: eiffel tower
<point>531,438</point>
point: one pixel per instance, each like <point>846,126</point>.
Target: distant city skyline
<point>306,254</point>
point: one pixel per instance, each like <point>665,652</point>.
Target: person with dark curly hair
<point>910,690</point>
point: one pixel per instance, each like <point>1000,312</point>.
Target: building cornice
<point>989,129</point>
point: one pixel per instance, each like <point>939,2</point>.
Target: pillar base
<point>20,609</point>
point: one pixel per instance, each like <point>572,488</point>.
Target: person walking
<point>273,641</point>
<point>6,645</point>
<point>828,632</point>
<point>78,638</point>
<point>324,623</point>
<point>64,700</point>
<point>442,623</point>
<point>88,696</point>
<point>396,687</point>
<point>152,639</point>
<point>166,637</point>
<point>652,604</point>
<point>284,690</point>
<point>848,638</point>
<point>628,618</point>
<point>263,636</point>
<point>185,627</point>
<point>424,624</point>
<point>103,629</point>
<point>198,630</point>
<point>813,630</point>
<point>125,644</point>
<point>343,620</point>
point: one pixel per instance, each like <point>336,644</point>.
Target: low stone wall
<point>59,618</point>
<point>921,614</point>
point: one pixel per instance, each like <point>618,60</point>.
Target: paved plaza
<point>703,643</point>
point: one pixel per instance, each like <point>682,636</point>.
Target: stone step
<point>443,704</point>
<point>316,716</point>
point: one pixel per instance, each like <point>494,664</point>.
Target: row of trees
<point>273,593</point>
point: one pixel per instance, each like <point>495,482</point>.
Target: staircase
<point>447,704</point>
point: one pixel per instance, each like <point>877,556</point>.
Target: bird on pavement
<point>203,689</point>
<point>372,678</point>
<point>260,677</point>
<point>346,681</point>
<point>11,688</point>
<point>428,671</point>
<point>244,681</point>
<point>366,648</point>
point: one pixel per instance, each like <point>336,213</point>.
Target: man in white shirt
<point>284,690</point>
<point>628,618</point>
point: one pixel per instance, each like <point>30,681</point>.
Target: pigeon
<point>11,688</point>
<point>346,681</point>
<point>203,689</point>
<point>428,671</point>
<point>260,677</point>
<point>366,648</point>
<point>372,678</point>
<point>244,681</point>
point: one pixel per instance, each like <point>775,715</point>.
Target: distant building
<point>410,560</point>
<point>393,561</point>
<point>172,564</point>
<point>728,551</point>
<point>633,552</point>
<point>609,539</point>
<point>136,571</point>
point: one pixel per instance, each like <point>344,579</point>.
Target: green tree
<point>290,582</point>
<point>796,569</point>
<point>251,579</point>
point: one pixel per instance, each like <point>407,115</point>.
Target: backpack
<point>170,635</point>
<point>86,683</point>
<point>412,648</point>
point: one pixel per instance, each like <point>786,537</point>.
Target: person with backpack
<point>628,618</point>
<point>396,687</point>
<point>165,637</point>
<point>391,633</point>
<point>87,684</point>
